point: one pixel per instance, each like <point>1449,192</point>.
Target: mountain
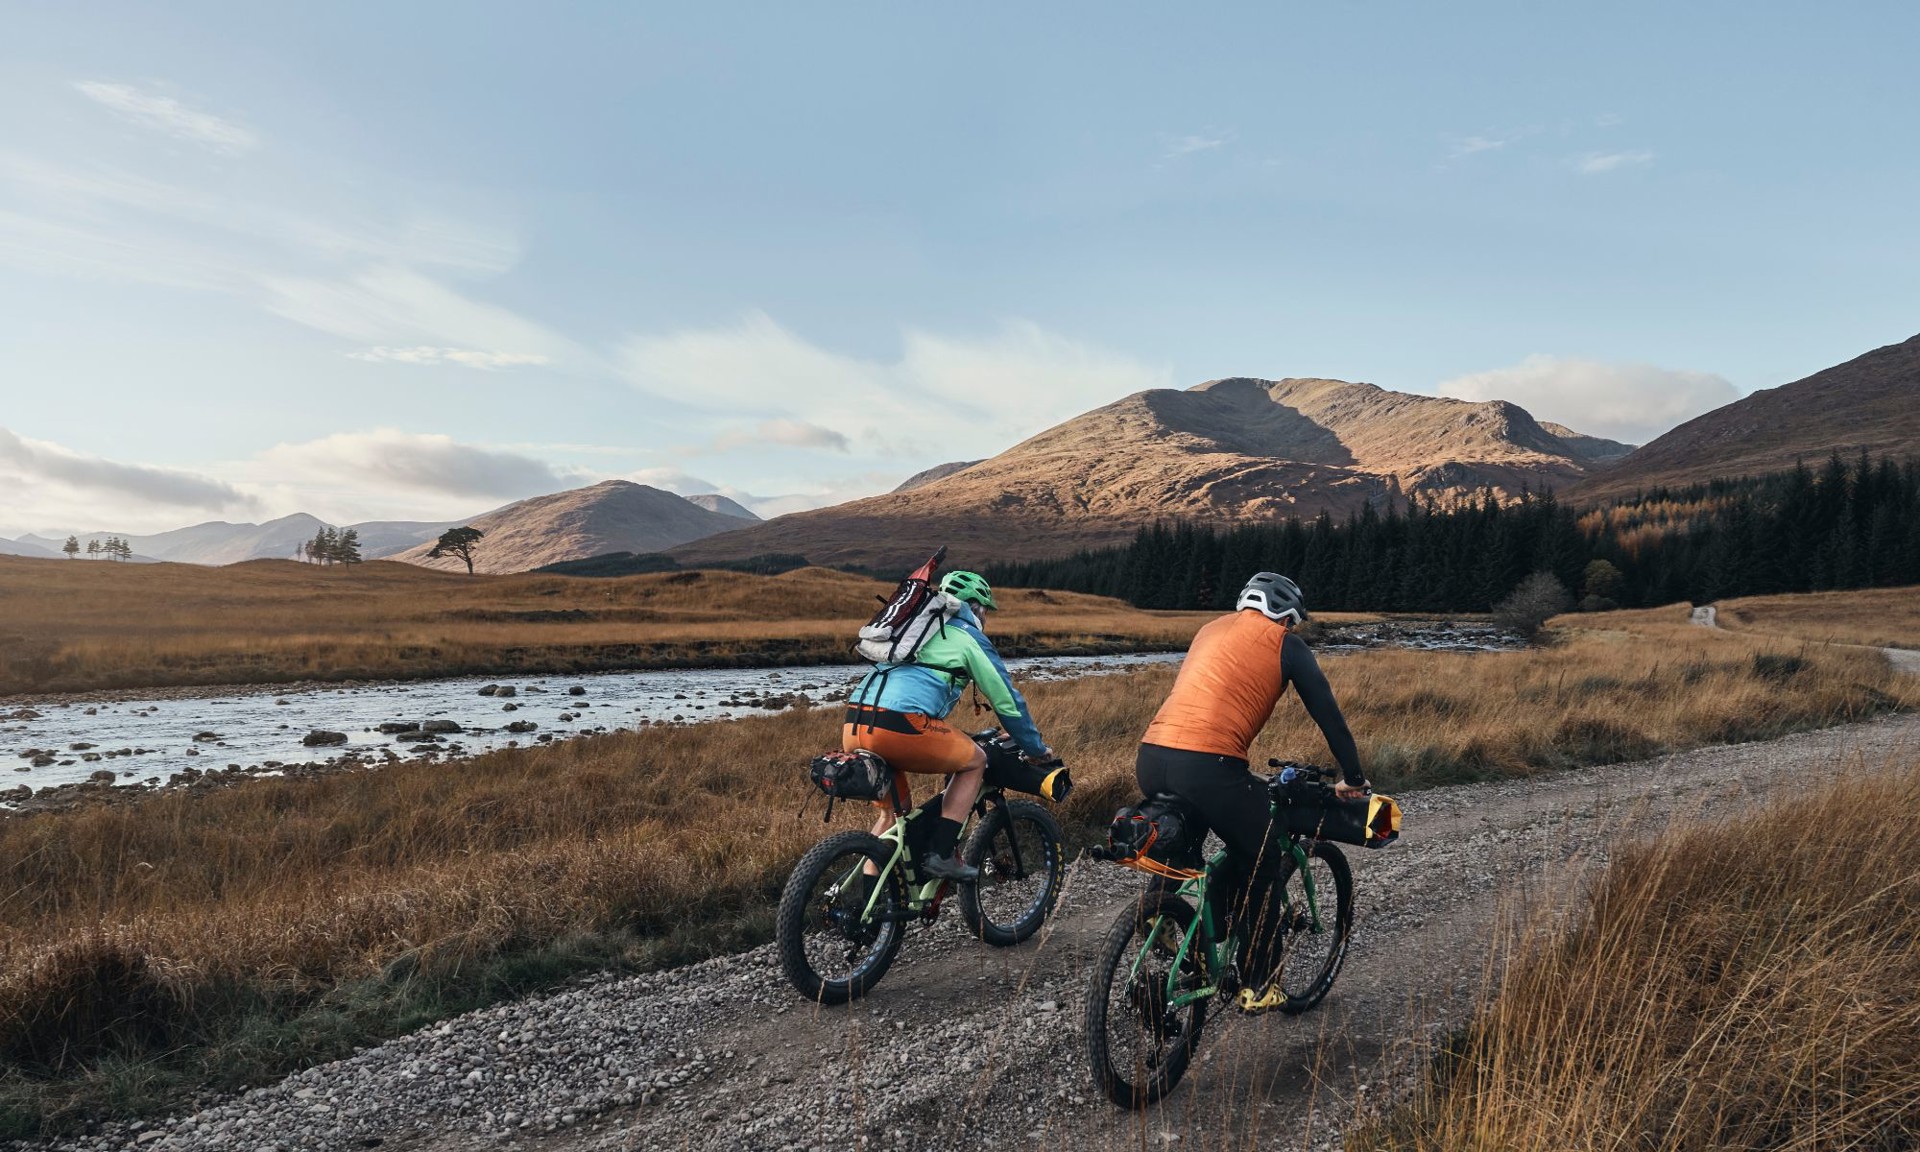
<point>1226,450</point>
<point>612,516</point>
<point>1871,402</point>
<point>218,542</point>
<point>714,502</point>
<point>27,548</point>
<point>937,472</point>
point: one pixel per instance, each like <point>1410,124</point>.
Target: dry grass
<point>218,916</point>
<point>79,625</point>
<point>1747,985</point>
<point>1877,617</point>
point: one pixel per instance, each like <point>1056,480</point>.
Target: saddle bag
<point>1162,831</point>
<point>857,775</point>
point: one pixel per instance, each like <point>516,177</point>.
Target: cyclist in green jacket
<point>899,711</point>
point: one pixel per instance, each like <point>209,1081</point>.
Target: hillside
<point>612,516</point>
<point>1228,450</point>
<point>28,548</point>
<point>726,506</point>
<point>1871,402</point>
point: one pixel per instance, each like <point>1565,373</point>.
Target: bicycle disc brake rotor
<point>1147,997</point>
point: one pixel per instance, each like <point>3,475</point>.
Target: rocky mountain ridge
<point>1233,449</point>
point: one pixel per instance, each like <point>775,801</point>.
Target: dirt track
<point>966,1046</point>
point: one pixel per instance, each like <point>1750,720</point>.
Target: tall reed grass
<point>1744,985</point>
<point>1877,617</point>
<point>222,934</point>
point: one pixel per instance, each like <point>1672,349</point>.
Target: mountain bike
<point>1170,953</point>
<point>839,928</point>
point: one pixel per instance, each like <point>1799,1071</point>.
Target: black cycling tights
<point>1234,803</point>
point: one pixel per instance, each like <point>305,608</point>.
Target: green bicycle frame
<point>1196,890</point>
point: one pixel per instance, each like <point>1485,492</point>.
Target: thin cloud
<point>1621,401</point>
<point>466,357</point>
<point>423,462</point>
<point>1609,120</point>
<point>42,462</point>
<point>1596,163</point>
<point>168,116</point>
<point>784,433</point>
<point>1473,145</point>
<point>1188,145</point>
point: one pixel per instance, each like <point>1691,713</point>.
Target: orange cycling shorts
<point>910,742</point>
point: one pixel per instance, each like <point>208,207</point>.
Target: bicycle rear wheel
<point>1022,865</point>
<point>832,950</point>
<point>1138,1045</point>
<point>1314,947</point>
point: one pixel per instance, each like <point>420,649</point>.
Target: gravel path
<point>966,1046</point>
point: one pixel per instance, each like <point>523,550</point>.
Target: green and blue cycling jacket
<point>958,654</point>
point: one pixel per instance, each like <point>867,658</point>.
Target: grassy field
<point>1879,617</point>
<point>218,936</point>
<point>1742,985</point>
<point>76,625</point>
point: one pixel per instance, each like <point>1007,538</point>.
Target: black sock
<point>946,835</point>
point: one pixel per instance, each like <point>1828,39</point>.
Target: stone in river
<point>490,690</point>
<point>509,707</point>
<point>206,737</point>
<point>104,776</point>
<point>576,690</point>
<point>440,726</point>
<point>522,726</point>
<point>319,737</point>
<point>390,727</point>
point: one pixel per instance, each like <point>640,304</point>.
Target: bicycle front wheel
<point>1316,932</point>
<point>1022,864</point>
<point>836,942</point>
<point>1138,1044</point>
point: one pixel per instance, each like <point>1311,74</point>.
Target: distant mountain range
<point>219,542</point>
<point>1226,450</point>
<point>1870,403</point>
<point>1237,449</point>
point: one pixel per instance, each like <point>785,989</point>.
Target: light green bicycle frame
<point>1196,890</point>
<point>897,836</point>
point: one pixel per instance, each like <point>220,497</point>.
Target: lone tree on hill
<point>457,542</point>
<point>71,547</point>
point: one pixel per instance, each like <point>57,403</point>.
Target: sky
<point>414,261</point>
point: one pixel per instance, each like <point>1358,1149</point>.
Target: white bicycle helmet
<point>1273,596</point>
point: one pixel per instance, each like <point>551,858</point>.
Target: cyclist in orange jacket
<point>1236,670</point>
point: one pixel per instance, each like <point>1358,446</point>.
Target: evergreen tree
<point>71,547</point>
<point>93,549</point>
<point>346,548</point>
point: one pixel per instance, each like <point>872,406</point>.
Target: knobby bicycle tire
<point>1042,856</point>
<point>1136,1082</point>
<point>838,852</point>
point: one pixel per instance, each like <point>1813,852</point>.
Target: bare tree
<point>457,542</point>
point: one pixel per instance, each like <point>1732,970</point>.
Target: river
<point>129,739</point>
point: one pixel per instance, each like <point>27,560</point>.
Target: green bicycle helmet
<point>968,586</point>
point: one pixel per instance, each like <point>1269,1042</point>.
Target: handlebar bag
<point>1006,768</point>
<point>1368,822</point>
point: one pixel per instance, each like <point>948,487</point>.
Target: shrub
<point>1538,599</point>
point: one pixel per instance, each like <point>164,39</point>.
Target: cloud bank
<point>420,462</point>
<point>942,397</point>
<point>1629,402</point>
<point>168,116</point>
